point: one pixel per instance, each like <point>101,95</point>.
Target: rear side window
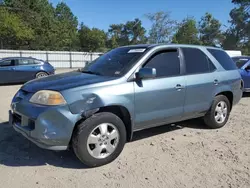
<point>223,58</point>
<point>25,61</point>
<point>166,63</point>
<point>196,61</point>
<point>37,62</point>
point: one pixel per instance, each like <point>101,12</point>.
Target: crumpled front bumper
<point>48,127</point>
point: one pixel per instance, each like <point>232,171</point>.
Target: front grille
<point>25,122</point>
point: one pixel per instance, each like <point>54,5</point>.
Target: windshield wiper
<point>90,72</point>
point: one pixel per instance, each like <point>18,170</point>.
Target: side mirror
<point>146,73</point>
<point>247,68</point>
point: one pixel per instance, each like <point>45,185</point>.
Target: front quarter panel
<point>83,99</point>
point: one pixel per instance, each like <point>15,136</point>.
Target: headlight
<point>46,97</point>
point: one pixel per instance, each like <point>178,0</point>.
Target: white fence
<point>65,59</point>
<point>59,59</point>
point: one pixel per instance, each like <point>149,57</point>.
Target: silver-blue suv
<point>97,109</point>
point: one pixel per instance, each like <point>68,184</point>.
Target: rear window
<point>223,58</point>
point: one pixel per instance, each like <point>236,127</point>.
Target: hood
<point>64,81</point>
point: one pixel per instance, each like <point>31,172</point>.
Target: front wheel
<point>99,139</point>
<point>219,112</point>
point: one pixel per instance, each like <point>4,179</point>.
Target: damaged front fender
<point>88,102</point>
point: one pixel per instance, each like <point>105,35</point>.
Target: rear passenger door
<point>26,69</point>
<point>201,81</point>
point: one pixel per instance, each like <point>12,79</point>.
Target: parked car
<point>23,69</point>
<point>243,64</point>
<point>96,110</point>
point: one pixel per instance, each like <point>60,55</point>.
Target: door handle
<point>13,68</point>
<point>179,87</point>
<point>216,82</point>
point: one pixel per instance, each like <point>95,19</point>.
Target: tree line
<point>38,25</point>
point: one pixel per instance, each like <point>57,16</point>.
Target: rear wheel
<point>219,112</point>
<point>41,74</point>
<point>99,139</point>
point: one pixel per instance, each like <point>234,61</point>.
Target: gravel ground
<point>183,155</point>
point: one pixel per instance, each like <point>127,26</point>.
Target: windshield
<point>116,62</point>
<point>240,62</point>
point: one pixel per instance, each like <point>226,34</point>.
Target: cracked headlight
<point>47,97</point>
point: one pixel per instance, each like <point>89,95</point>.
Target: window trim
<point>133,78</point>
<point>185,70</point>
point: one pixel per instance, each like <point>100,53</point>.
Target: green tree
<point>66,27</point>
<point>187,32</point>
<point>13,32</point>
<point>38,15</point>
<point>162,28</point>
<point>112,42</point>
<point>210,30</point>
<point>231,39</point>
<point>117,35</point>
<point>135,32</point>
<point>238,35</point>
<point>132,32</point>
<point>54,28</point>
<point>92,40</point>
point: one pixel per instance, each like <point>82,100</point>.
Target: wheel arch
<point>229,95</point>
<point>119,110</point>
<point>38,71</point>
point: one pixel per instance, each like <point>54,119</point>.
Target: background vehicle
<point>97,109</point>
<point>23,69</point>
<point>243,63</point>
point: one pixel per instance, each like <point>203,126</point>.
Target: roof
<point>7,58</point>
<point>175,45</point>
<point>138,46</point>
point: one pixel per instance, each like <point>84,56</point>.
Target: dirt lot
<point>182,155</point>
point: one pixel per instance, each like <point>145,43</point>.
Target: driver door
<point>7,71</point>
<point>160,100</point>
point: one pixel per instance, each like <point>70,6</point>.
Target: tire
<point>41,74</point>
<point>212,114</point>
<point>83,148</point>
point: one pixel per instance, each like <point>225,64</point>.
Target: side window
<point>37,62</point>
<point>240,62</point>
<point>7,63</point>
<point>196,61</point>
<point>223,58</point>
<point>166,63</point>
<point>25,61</point>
